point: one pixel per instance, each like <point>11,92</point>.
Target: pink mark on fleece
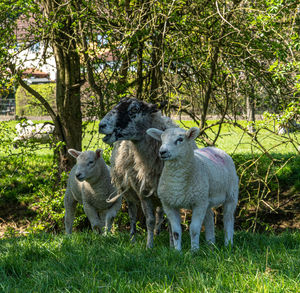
<point>212,155</point>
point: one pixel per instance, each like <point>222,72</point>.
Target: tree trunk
<point>140,79</point>
<point>155,70</point>
<point>68,103</point>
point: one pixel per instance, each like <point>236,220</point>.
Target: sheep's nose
<point>162,153</point>
<point>78,176</point>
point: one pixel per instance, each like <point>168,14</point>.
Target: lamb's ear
<point>192,133</point>
<point>155,133</point>
<point>98,152</point>
<point>74,153</point>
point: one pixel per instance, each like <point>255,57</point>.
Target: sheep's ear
<point>98,152</point>
<point>192,133</point>
<point>155,133</point>
<point>74,153</point>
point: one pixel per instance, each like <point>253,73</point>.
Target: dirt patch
<point>15,219</point>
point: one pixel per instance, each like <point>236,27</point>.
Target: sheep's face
<point>176,142</point>
<point>128,120</point>
<point>85,163</point>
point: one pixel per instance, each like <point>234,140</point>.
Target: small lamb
<point>89,183</point>
<point>198,180</point>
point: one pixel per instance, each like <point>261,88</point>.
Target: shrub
<point>28,105</point>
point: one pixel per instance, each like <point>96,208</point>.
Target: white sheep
<point>198,180</point>
<point>28,131</point>
<point>288,127</point>
<point>89,183</point>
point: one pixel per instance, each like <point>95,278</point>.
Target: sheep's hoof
<point>194,249</point>
<point>171,241</point>
<point>178,250</point>
<point>157,231</point>
<point>97,229</point>
<point>149,245</point>
<point>211,244</point>
<point>132,238</point>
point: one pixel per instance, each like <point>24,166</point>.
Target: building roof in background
<point>37,80</point>
<point>34,73</point>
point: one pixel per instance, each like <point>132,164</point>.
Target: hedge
<point>28,105</point>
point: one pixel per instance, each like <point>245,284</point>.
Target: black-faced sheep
<point>135,165</point>
<point>89,183</point>
<point>197,180</point>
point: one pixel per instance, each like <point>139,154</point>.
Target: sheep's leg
<point>159,218</point>
<point>109,218</point>
<point>93,217</point>
<point>110,215</point>
<point>196,224</point>
<point>171,240</point>
<point>70,206</point>
<point>147,207</point>
<point>209,226</point>
<point>176,231</point>
<point>132,212</point>
<point>228,219</point>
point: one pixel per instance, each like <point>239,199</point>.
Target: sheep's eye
<point>90,162</point>
<point>134,110</point>
<point>178,140</point>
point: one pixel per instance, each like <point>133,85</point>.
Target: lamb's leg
<point>70,206</point>
<point>209,226</point>
<point>93,217</point>
<point>228,219</point>
<point>159,218</point>
<point>174,218</point>
<point>148,210</point>
<point>171,240</point>
<point>110,215</point>
<point>196,224</point>
<point>132,212</point>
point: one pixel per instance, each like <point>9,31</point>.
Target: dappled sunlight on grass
<point>87,262</point>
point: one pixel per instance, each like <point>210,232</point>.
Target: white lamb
<point>89,183</point>
<point>198,180</point>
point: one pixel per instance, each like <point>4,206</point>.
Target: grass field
<point>30,201</point>
<point>86,262</point>
<point>232,139</point>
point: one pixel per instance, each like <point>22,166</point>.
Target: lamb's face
<point>172,146</point>
<point>176,142</point>
<point>85,163</point>
<point>127,120</point>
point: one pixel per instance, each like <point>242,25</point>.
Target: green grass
<point>86,262</point>
<point>234,140</point>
